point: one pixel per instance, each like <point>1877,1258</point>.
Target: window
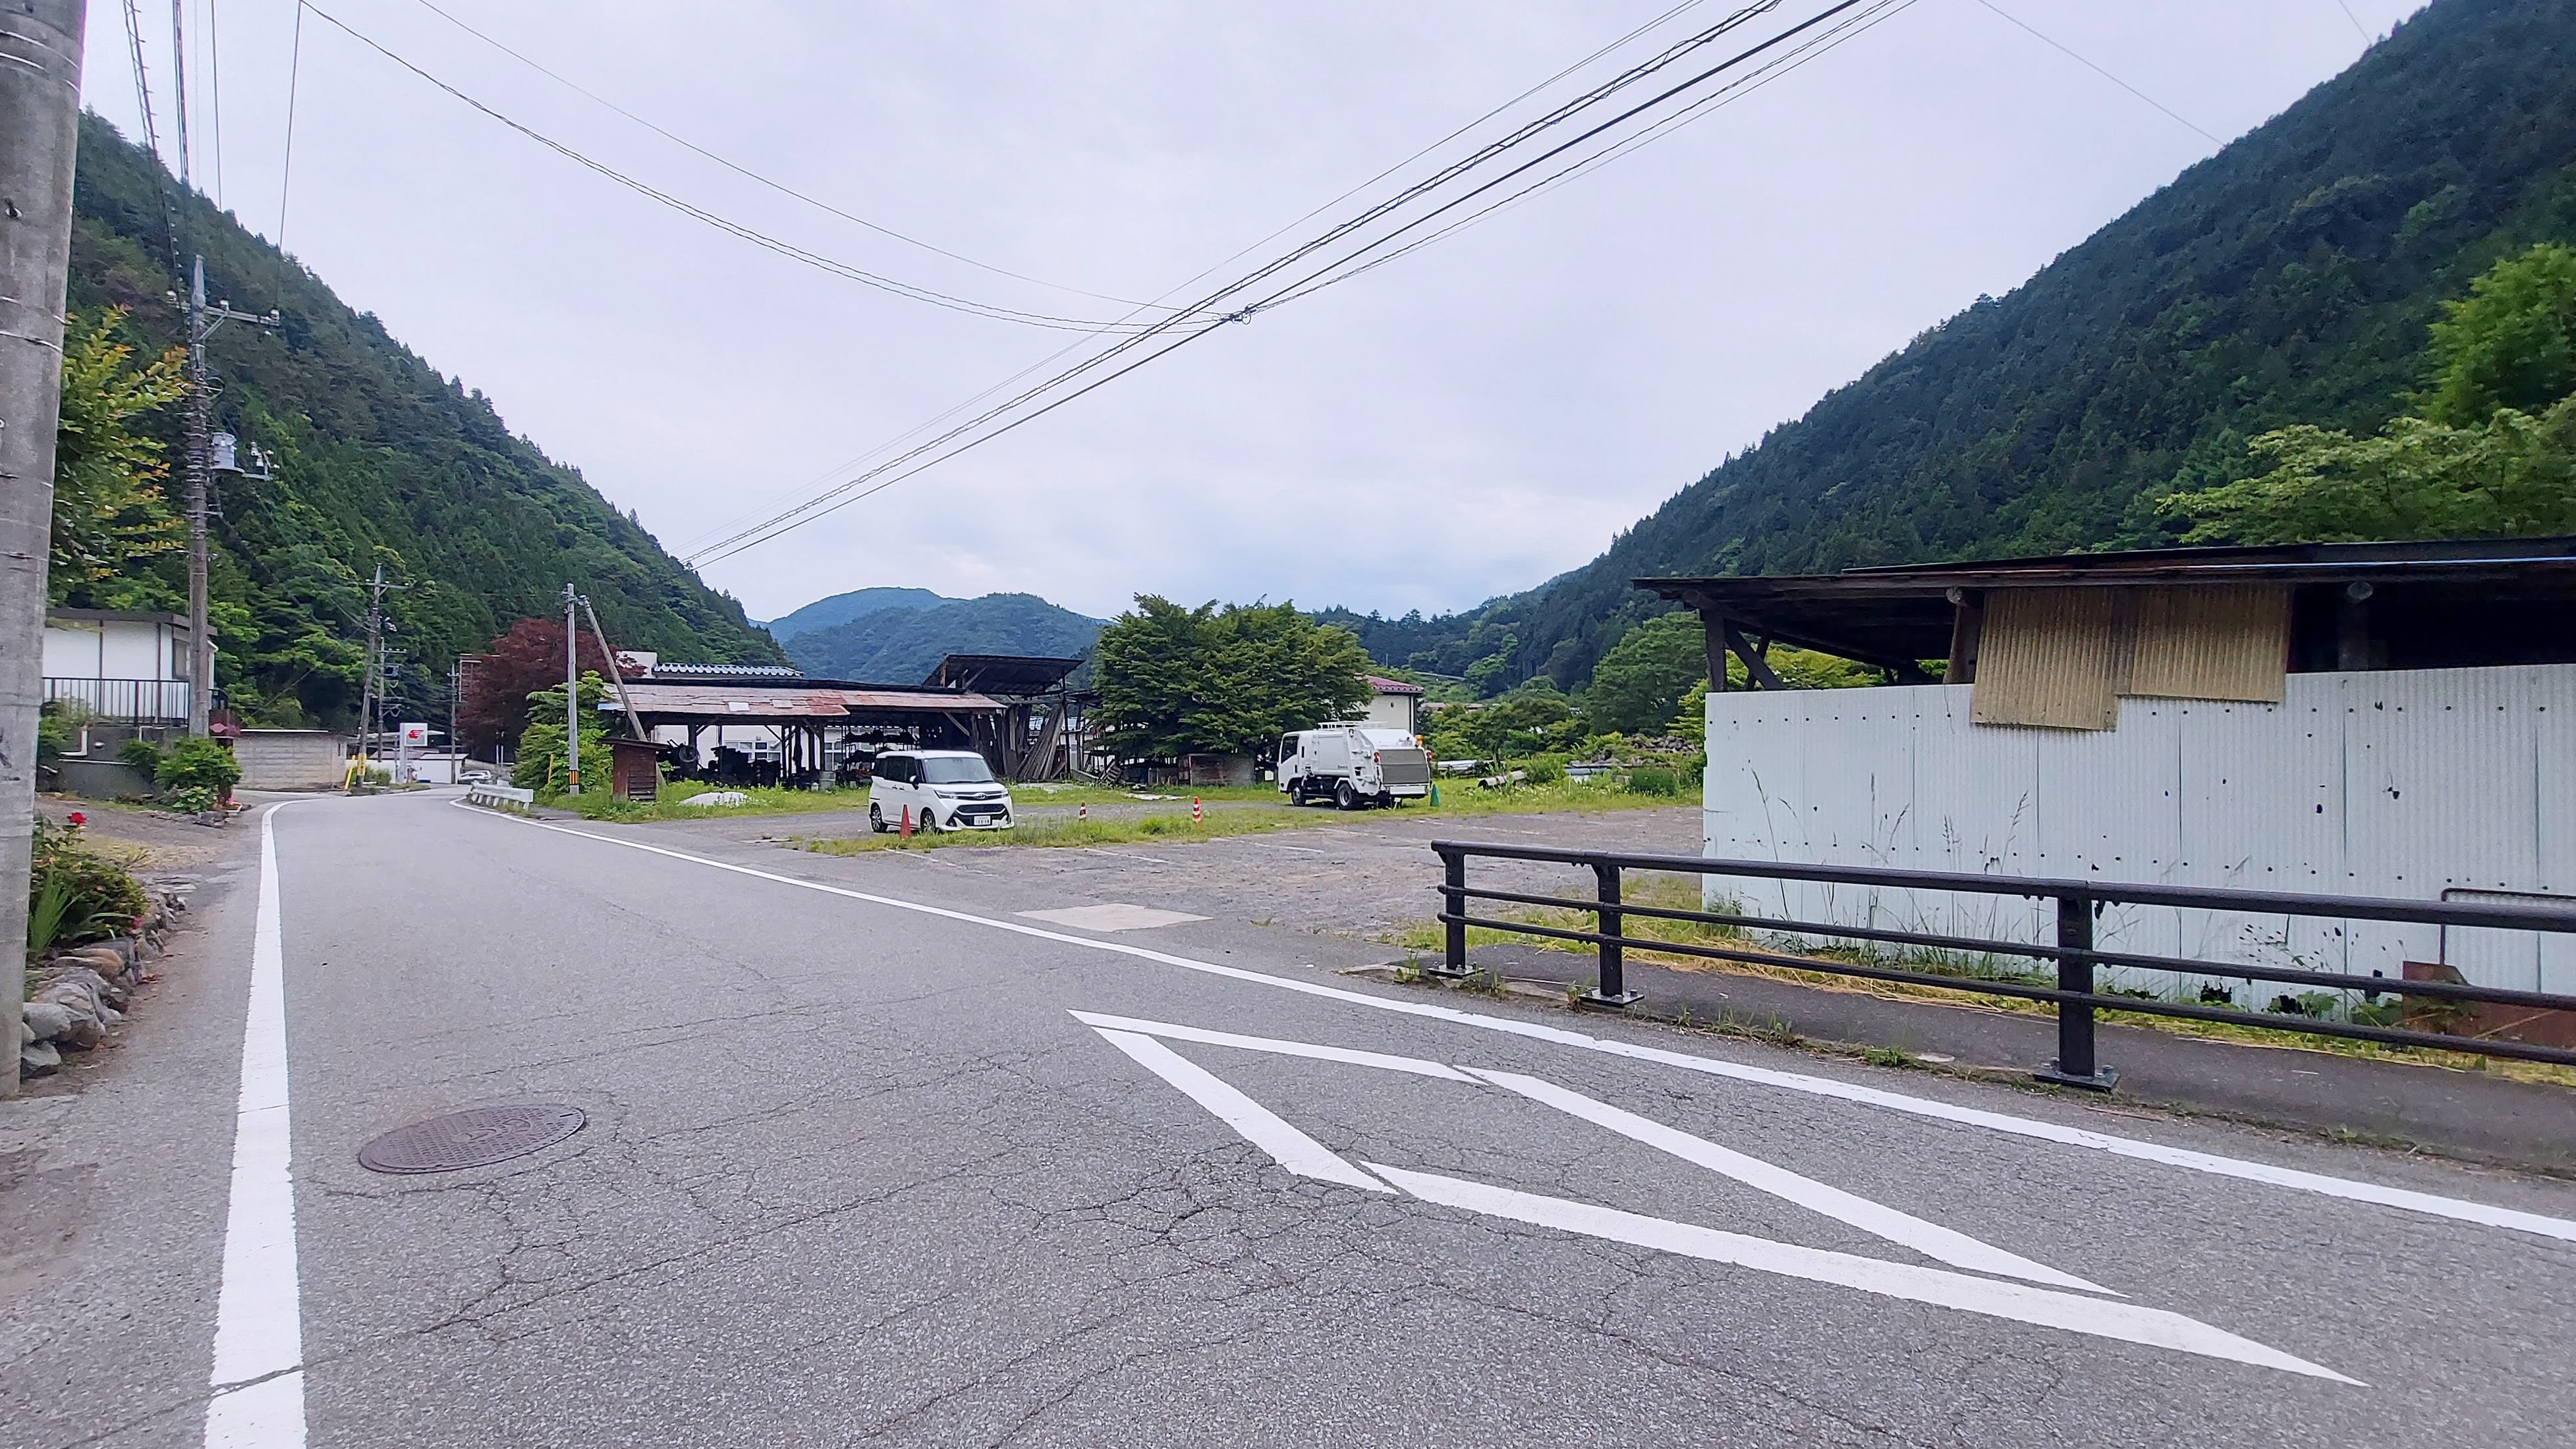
<point>956,770</point>
<point>1287,748</point>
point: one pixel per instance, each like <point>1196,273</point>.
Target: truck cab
<point>1353,765</point>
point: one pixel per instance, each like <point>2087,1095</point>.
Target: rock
<point>45,1020</point>
<point>39,1060</point>
<point>101,958</point>
<point>717,798</point>
<point>98,990</point>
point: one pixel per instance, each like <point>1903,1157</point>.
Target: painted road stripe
<point>2020,1302</point>
<point>258,1376</point>
<point>1930,1239</point>
<point>1260,1126</point>
<point>2347,1189</point>
<point>1345,1055</point>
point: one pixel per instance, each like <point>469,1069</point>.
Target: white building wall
<point>109,649</point>
<point>1393,711</point>
<point>2391,783</point>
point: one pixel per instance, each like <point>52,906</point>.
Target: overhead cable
<point>2104,74</point>
<point>1226,303</point>
<point>730,227</point>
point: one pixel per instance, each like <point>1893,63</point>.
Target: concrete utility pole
<point>40,83</point>
<point>572,693</point>
<point>202,322</point>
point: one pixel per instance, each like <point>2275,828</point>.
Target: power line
<point>853,490</point>
<point>734,228</point>
<point>215,94</point>
<point>2361,29</point>
<point>2104,74</point>
<point>706,537</point>
<point>286,168</point>
<point>778,186</point>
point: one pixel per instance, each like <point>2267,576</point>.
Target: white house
<point>124,667</point>
<point>1394,704</point>
<point>2364,720</point>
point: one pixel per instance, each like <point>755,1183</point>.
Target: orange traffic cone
<point>907,823</point>
<point>1198,815</point>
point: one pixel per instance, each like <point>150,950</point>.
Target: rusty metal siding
<point>2398,783</point>
<point>2048,657</point>
<point>2210,641</point>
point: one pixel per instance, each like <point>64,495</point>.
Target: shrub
<point>1545,769</point>
<point>74,894</point>
<point>142,755</point>
<point>190,799</point>
<point>1653,780</point>
<point>200,762</point>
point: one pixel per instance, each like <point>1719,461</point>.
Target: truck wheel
<point>876,819</point>
<point>1345,797</point>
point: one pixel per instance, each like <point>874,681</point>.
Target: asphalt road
<point>874,1158</point>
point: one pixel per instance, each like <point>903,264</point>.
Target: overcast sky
<point>1466,422</point>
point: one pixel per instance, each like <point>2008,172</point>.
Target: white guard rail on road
<point>499,797</point>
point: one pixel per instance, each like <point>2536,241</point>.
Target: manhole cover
<point>470,1139</point>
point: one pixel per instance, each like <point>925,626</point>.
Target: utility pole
<point>371,693</point>
<point>572,693</point>
<point>202,322</point>
<point>40,89</point>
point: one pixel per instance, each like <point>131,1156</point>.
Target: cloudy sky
<point>1464,422</point>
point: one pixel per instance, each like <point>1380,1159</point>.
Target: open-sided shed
<point>2364,719</point>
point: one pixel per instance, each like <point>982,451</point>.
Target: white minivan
<point>942,790</point>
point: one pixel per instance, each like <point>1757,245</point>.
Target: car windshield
<point>955,770</point>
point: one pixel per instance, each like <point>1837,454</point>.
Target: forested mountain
<point>2289,279</point>
<point>900,645</point>
<point>379,460</point>
<point>842,608</point>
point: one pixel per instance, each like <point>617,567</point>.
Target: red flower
<point>79,820</point>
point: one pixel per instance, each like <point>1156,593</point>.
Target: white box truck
<point>1352,765</point>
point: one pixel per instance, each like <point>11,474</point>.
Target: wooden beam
<point>1757,670</point>
<point>1967,629</point>
<point>1714,626</point>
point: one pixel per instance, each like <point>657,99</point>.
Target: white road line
<point>258,1376</point>
<point>1930,1239</point>
<point>1348,1057</point>
<point>1260,1126</point>
<point>2347,1189</point>
<point>2020,1302</point>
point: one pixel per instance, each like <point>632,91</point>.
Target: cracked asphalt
<point>854,1175</point>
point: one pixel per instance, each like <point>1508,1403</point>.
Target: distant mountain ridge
<point>897,636</point>
<point>842,608</point>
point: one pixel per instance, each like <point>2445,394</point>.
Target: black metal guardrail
<point>2076,957</point>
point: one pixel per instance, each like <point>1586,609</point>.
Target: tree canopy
<point>1220,680</point>
<point>109,511</point>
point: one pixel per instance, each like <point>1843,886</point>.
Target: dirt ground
<point>153,842</point>
<point>1368,874</point>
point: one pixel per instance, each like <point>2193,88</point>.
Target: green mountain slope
<point>379,460</point>
<point>902,646</point>
<point>842,608</point>
<point>2290,278</point>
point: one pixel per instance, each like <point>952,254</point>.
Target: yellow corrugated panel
<point>2211,641</point>
<point>2048,657</point>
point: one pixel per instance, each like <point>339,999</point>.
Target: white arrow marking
<point>1930,1239</point>
<point>1260,1126</point>
<point>2019,1302</point>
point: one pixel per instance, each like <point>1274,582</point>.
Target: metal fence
<point>2073,952</point>
<point>123,701</point>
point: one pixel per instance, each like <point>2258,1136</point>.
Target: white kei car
<point>942,790</point>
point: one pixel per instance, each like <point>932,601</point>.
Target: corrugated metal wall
<point>2392,783</point>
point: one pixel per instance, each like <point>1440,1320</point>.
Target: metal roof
<point>1020,674</point>
<point>2507,590</point>
<point>758,704</point>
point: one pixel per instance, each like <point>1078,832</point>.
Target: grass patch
<point>1458,797</point>
<point>1166,827</point>
<point>769,800</point>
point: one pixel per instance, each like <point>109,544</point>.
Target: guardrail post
<point>1612,989</point>
<point>1453,897</point>
<point>2075,1065</point>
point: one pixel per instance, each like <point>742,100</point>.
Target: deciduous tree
<point>1225,680</point>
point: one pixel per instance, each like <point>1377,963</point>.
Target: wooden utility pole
<point>40,85</point>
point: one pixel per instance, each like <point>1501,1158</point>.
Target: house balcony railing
<point>123,701</point>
